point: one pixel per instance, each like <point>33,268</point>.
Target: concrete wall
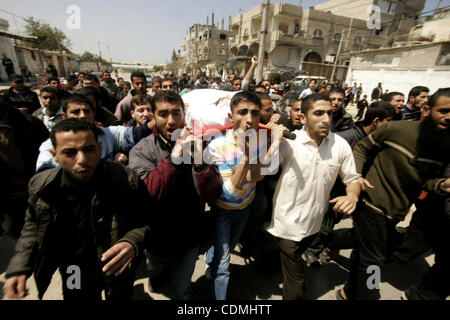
<point>414,66</point>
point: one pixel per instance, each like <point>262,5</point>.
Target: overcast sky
<point>135,30</point>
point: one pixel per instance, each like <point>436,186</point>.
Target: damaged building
<point>205,46</point>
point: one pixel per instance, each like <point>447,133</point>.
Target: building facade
<point>304,39</point>
<point>205,47</point>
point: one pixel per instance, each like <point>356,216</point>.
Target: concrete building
<point>7,47</point>
<point>421,57</point>
<point>396,16</point>
<point>299,39</point>
<point>205,46</point>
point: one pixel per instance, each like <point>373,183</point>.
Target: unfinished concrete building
<point>304,40</point>
<point>205,46</point>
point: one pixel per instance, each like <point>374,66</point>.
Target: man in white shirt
<point>310,165</point>
<point>308,91</point>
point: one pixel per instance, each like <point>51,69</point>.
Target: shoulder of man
<point>41,180</point>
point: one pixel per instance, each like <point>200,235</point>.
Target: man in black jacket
<point>341,119</point>
<point>20,96</point>
<point>20,137</point>
<point>178,191</point>
<point>84,218</point>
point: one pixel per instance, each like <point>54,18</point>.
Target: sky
<point>135,30</point>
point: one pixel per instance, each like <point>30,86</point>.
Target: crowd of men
<point>89,179</point>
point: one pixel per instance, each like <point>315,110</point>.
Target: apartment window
<point>246,32</point>
<point>386,60</point>
<point>223,36</point>
<point>357,42</point>
<point>222,52</point>
<point>387,6</point>
<point>32,55</point>
<point>337,37</point>
<point>296,29</point>
<point>317,34</point>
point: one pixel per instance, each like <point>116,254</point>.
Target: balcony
<point>290,39</point>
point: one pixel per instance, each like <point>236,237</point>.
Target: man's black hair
<point>245,96</point>
<point>336,89</point>
<point>78,99</point>
<point>167,96</point>
<point>263,96</point>
<point>137,74</point>
<point>388,97</point>
<point>439,93</point>
<point>91,76</point>
<point>74,125</point>
<point>49,89</point>
<point>50,79</point>
<point>90,91</point>
<point>260,86</point>
<point>72,77</point>
<point>307,103</point>
<point>380,110</point>
<point>414,92</point>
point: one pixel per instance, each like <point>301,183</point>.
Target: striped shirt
<point>412,115</point>
<point>225,153</point>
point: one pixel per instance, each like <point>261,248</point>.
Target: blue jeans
<point>228,226</point>
<point>183,266</point>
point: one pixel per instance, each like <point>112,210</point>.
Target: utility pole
<point>262,41</point>
<point>337,56</point>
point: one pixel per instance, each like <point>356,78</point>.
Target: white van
<point>303,81</point>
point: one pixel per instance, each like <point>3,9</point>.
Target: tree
<point>157,68</point>
<point>88,56</point>
<point>48,38</point>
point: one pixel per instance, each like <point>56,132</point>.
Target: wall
<point>417,66</point>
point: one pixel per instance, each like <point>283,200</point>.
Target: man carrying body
<point>178,220</point>
<point>236,161</point>
<point>398,159</point>
<point>417,99</point>
<point>86,214</point>
<point>310,165</point>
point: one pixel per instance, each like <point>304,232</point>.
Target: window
<point>387,6</point>
<point>223,36</point>
<point>317,34</point>
<point>32,55</point>
<point>357,42</point>
<point>296,29</point>
<point>222,52</point>
<point>386,59</point>
<point>337,37</point>
<point>246,33</point>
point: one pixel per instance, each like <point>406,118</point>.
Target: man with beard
<point>341,119</point>
<point>123,109</point>
<point>398,159</point>
<point>397,100</point>
<point>417,99</point>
